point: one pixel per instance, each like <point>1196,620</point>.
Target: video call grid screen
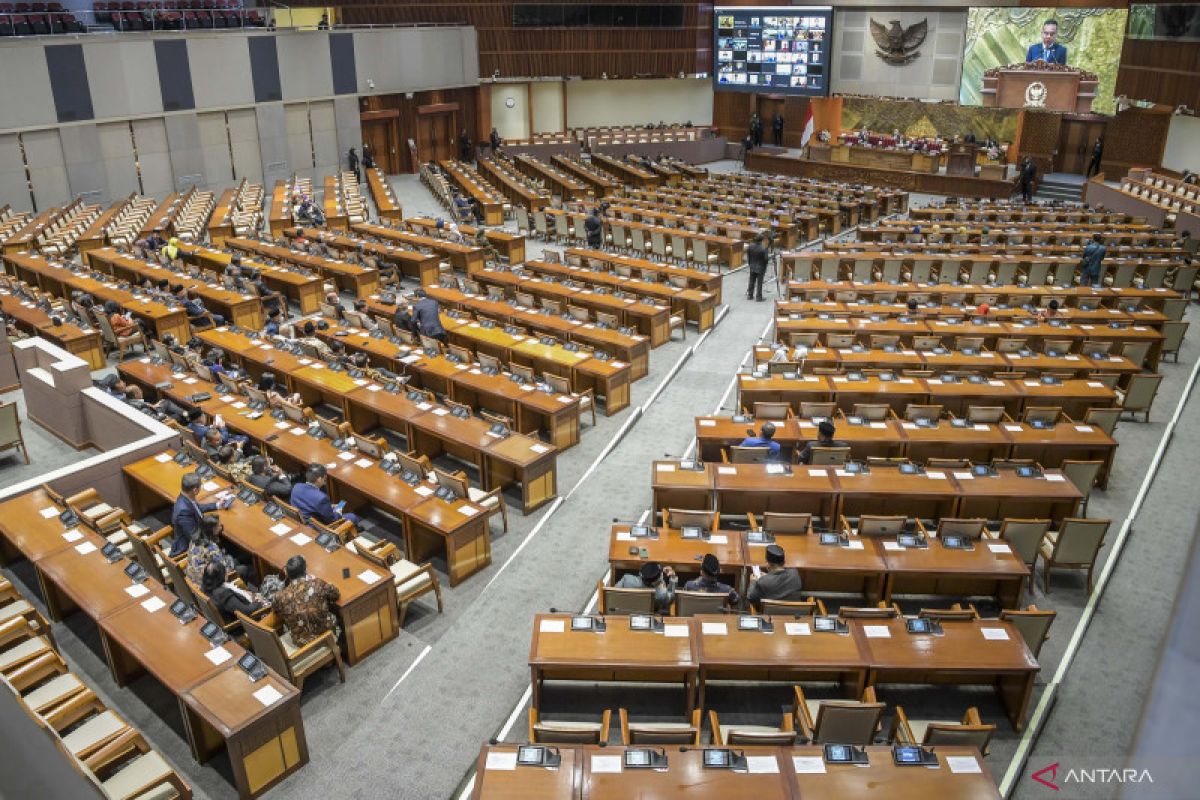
<point>780,50</point>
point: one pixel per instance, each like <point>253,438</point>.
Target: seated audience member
<point>777,582</point>
<point>122,324</point>
<point>187,513</point>
<point>653,576</point>
<point>197,314</point>
<point>403,318</point>
<point>269,479</point>
<point>200,429</point>
<point>227,596</point>
<point>171,249</point>
<point>334,301</point>
<point>428,316</point>
<point>304,603</point>
<point>230,459</point>
<point>825,432</point>
<point>709,580</point>
<point>118,388</point>
<point>765,439</point>
<point>274,320</point>
<point>216,363</point>
<point>275,392</point>
<point>309,337</point>
<point>205,549</point>
<point>1048,311</point>
<point>311,500</point>
<point>477,210</point>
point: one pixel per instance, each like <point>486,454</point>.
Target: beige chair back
<point>689,604</point>
<point>1082,474</point>
<point>1024,536</point>
<point>265,644</point>
<point>1141,392</point>
<point>810,409</point>
<point>144,556</point>
<point>1079,540</point>
<point>179,583</point>
<point>829,456</point>
<point>1043,414</point>
<point>875,525</point>
<point>916,411</point>
<point>772,410</point>
<point>985,415</point>
<point>781,738</point>
<point>10,425</point>
<point>871,411</point>
<point>1034,625</point>
<point>846,722</point>
<point>627,601</point>
<point>951,735</point>
<point>778,522</point>
<point>651,733</point>
<point>967,528</point>
<point>748,455</point>
<point>551,733</point>
<point>789,608</point>
<point>678,517</point>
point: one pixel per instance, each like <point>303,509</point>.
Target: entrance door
<point>380,136</point>
<point>1076,137</point>
<point>436,136</point>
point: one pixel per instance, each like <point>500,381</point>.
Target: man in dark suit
<point>1049,50</point>
<point>777,129</point>
<point>1027,179</point>
<point>311,500</point>
<point>595,229</point>
<point>187,514</point>
<point>269,479</point>
<point>427,314</point>
<point>756,259</point>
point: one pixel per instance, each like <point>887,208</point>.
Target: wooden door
<point>380,136</point>
<point>436,137</point>
<point>1076,137</point>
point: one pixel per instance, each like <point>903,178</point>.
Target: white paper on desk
<point>877,631</point>
<point>937,476</point>
<point>904,380</point>
<point>190,380</point>
<point>409,359</point>
<point>1084,428</point>
<point>298,431</point>
<point>552,626</point>
<point>995,383</point>
<point>1056,478</point>
<point>995,634</point>
<point>718,538</point>
<point>606,764</point>
<point>839,380</point>
<point>136,590</point>
<point>797,629</point>
<point>210,486</point>
<point>501,761</point>
<point>1012,428</point>
<point>363,463</point>
<point>963,764</point>
<point>467,511</point>
<point>999,547</point>
<point>979,427</point>
<point>280,529</point>
<point>808,765</point>
<point>424,491</point>
<point>854,544</point>
<point>624,536</point>
<point>964,476</point>
<point>346,455</point>
<point>841,473</point>
<point>85,548</point>
<point>761,765</point>
<point>675,631</point>
<point>1095,384</point>
<point>268,695</point>
<point>878,425</point>
<point>539,448</point>
<point>153,604</point>
<point>908,426</point>
<point>300,539</point>
<point>51,511</point>
<point>317,366</point>
<point>892,546</point>
<point>665,467</point>
<point>441,412</point>
<point>703,423</point>
<point>727,470</point>
<point>73,535</point>
<point>1031,383</point>
<point>374,387</point>
<point>818,473</point>
<point>218,655</point>
<point>369,577</point>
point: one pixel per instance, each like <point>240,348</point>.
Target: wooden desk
<point>962,654</point>
<point>618,654</point>
<point>599,182</point>
<point>358,280</point>
<point>303,287</point>
<point>82,342</point>
<point>626,173</point>
<point>411,262</point>
<point>668,547</point>
<point>239,309</point>
<point>649,271</point>
<point>467,258</point>
<point>791,224</point>
<point>563,184</point>
<point>489,200</point>
<point>60,280</point>
<point>512,186</point>
<point>509,245</point>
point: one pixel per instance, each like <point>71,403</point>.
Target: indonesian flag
<point>808,128</point>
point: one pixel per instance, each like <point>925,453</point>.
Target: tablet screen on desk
<point>717,758</point>
<point>640,622</point>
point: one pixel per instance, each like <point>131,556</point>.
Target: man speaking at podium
<point>1049,50</point>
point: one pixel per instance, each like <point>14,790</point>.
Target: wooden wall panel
<point>1039,137</point>
<point>1134,138</point>
<point>403,125</point>
<point>1162,72</point>
<point>559,52</point>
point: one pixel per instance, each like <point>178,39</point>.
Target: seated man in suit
<point>653,576</point>
<point>765,439</point>
<point>269,479</point>
<point>825,432</point>
<point>188,514</point>
<point>777,582</point>
<point>311,500</point>
<point>709,580</point>
<point>1049,50</point>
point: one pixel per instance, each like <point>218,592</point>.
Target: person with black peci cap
<point>777,582</point>
<point>709,580</point>
<point>825,432</point>
<point>653,576</point>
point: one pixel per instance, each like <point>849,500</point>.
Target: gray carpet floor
<point>413,715</point>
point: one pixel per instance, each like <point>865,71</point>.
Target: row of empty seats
<point>60,235</point>
<point>176,15</point>
<point>37,19</point>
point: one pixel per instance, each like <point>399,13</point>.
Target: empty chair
<point>966,528</point>
<point>881,611</point>
<point>544,731</point>
<point>1139,394</point>
<point>1025,537</point>
<point>781,523</point>
<point>1083,475</point>
<point>916,411</point>
<point>810,409</point>
<point>1042,415</point>
<point>1173,333</point>
<point>792,608</point>
<point>660,733</point>
<point>411,580</point>
<point>838,721</point>
<point>1103,418</point>
<point>1074,545</point>
<point>875,412</point>
<point>879,525</point>
<point>775,411</point>
<point>1135,352</point>
<point>1034,625</point>
<point>679,517</point>
<point>736,454</point>
<point>782,735</point>
<point>968,732</point>
<point>985,415</point>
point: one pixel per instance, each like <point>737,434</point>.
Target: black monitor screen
<point>779,50</point>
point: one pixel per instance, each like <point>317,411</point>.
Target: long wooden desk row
<point>793,773</point>
<point>515,460</point>
<point>908,329</point>
<point>624,171</point>
<point>412,262</point>
<point>694,650</point>
<point>1050,234</point>
<point>1001,311</point>
<point>729,251</point>
<point>294,282</point>
<point>697,305</point>
<point>83,342</point>
<point>966,293</point>
<point>511,185</point>
<point>238,308</point>
<point>829,491</point>
<point>875,568</point>
<point>994,212</point>
<point>471,184</point>
<point>628,354</point>
<point>557,415</point>
<point>353,278</point>
<point>1073,396</point>
<point>62,280</point>
<point>381,193</point>
<point>886,199</point>
<point>509,245</point>
<point>600,182</point>
<point>734,226</point>
<point>259,723</point>
<point>650,271</point>
<point>921,245</point>
<point>807,220</point>
<point>895,437</point>
<point>468,258</point>
<point>563,184</point>
<point>649,319</point>
<point>836,212</point>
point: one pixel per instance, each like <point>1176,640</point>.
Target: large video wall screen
<point>782,50</point>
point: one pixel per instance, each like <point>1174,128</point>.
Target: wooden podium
<point>1069,91</point>
<point>961,160</point>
